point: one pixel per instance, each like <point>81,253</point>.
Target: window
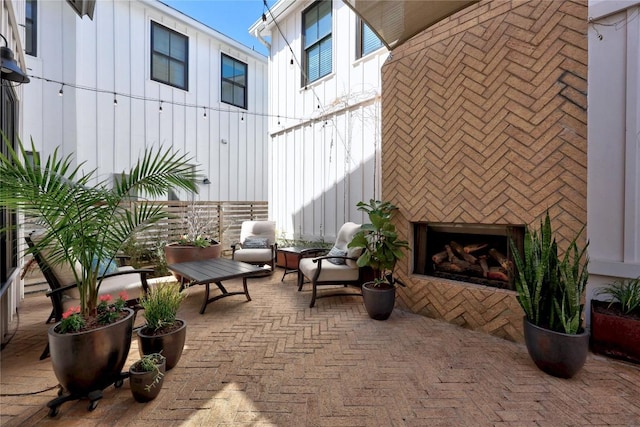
<point>366,40</point>
<point>31,25</point>
<point>318,52</point>
<point>169,57</point>
<point>234,82</point>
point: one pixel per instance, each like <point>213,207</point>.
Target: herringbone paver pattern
<point>275,362</point>
<point>484,121</point>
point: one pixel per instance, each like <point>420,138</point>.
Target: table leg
<point>224,293</point>
<point>246,290</point>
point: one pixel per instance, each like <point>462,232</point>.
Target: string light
<point>278,120</point>
<point>61,91</point>
<point>204,115</point>
<point>115,100</point>
<point>242,118</point>
<point>160,109</point>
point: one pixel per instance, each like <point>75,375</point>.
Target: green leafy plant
<point>379,240</point>
<point>150,363</point>
<point>84,222</point>
<point>624,292</point>
<point>551,289</point>
<point>161,305</point>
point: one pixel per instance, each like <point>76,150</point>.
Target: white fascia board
<point>599,9</point>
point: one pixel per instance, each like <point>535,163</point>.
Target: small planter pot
<point>558,354</point>
<point>175,253</point>
<point>613,333</point>
<point>145,386</point>
<point>170,345</point>
<point>379,302</point>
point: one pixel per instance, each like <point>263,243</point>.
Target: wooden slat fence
<point>219,220</point>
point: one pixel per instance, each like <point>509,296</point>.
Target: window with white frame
<point>318,50</point>
<point>169,57</point>
<point>234,82</point>
<point>366,40</point>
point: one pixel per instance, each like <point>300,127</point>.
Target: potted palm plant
<point>381,250</point>
<point>163,332</point>
<point>550,290</point>
<point>146,376</point>
<point>615,324</point>
<point>85,220</point>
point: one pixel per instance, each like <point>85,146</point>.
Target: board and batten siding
<point>112,53</point>
<point>613,196</point>
<point>325,137</point>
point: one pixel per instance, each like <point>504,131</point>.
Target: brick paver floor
<point>276,362</point>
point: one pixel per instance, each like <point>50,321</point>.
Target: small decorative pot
<point>145,386</point>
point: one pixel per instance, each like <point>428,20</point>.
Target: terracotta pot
<point>558,354</point>
<point>142,384</point>
<point>170,345</point>
<point>613,333</point>
<point>89,361</point>
<point>175,253</point>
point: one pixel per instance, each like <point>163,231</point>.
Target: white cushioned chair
<point>320,271</point>
<point>257,244</point>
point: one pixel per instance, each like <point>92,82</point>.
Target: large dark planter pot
<point>175,253</point>
<point>170,345</point>
<point>89,361</point>
<point>139,383</point>
<point>558,354</point>
<point>613,333</point>
<point>379,302</point>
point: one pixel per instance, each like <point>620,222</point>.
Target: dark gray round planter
<point>170,345</point>
<point>558,354</point>
<point>379,302</point>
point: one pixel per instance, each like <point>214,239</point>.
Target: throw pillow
<point>336,252</point>
<point>255,243</point>
<point>104,266</point>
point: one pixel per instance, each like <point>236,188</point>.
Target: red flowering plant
<point>107,312</point>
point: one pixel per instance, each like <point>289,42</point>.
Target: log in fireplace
<point>473,253</point>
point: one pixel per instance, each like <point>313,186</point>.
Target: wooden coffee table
<point>215,271</point>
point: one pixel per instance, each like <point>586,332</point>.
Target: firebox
<point>473,253</point>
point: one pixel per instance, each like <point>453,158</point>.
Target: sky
<point>230,17</point>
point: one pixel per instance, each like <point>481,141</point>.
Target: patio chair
<point>337,267</point>
<point>257,244</point>
<point>63,290</point>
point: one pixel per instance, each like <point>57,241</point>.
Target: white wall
<point>112,54</point>
<point>613,199</point>
<point>325,138</point>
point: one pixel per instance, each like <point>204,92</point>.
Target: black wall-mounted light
<point>9,67</point>
<point>206,181</point>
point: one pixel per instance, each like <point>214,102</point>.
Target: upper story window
<point>366,40</point>
<point>234,82</point>
<point>318,55</point>
<point>169,57</point>
<point>31,26</point>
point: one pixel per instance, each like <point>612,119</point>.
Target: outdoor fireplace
<point>473,253</point>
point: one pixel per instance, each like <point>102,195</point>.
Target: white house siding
<point>614,141</point>
<point>12,15</point>
<point>325,138</point>
<point>112,53</point>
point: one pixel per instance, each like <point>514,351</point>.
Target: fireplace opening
<point>473,253</point>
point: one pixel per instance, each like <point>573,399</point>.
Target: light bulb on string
<point>115,100</point>
<point>204,114</point>
<point>278,120</point>
<point>242,117</point>
<point>61,91</point>
<point>160,109</point>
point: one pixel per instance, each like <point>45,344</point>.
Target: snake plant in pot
<point>85,220</point>
<point>550,290</point>
<point>381,250</point>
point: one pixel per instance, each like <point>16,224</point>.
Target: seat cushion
<point>330,272</point>
<point>253,255</point>
<point>130,283</point>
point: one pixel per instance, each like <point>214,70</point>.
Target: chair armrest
<point>121,259</point>
<point>313,252</point>
<point>320,258</point>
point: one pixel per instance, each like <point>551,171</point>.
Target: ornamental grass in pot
<point>85,220</point>
<point>550,290</point>
<point>615,323</point>
<point>381,250</point>
<point>163,332</point>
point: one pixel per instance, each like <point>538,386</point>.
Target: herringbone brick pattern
<point>484,121</point>
<point>275,362</point>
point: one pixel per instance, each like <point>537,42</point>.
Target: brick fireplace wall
<point>484,121</point>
